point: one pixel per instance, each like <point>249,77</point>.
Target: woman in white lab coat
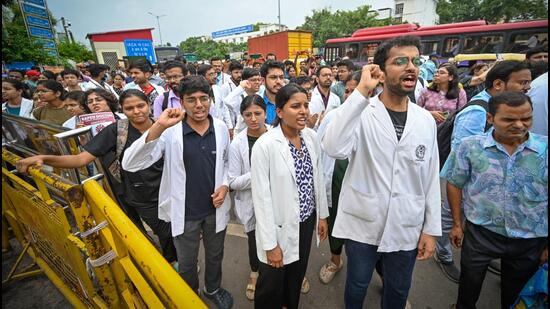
<point>253,111</point>
<point>289,200</point>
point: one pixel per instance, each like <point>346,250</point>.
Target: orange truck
<point>285,44</point>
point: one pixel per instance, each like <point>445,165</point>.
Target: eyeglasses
<point>193,100</point>
<point>275,77</point>
<point>255,80</point>
<point>403,61</point>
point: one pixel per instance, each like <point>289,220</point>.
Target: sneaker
<point>305,286</point>
<point>329,270</point>
<point>494,267</point>
<point>449,270</point>
<point>221,298</point>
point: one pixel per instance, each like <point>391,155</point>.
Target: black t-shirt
<point>251,141</point>
<point>137,189</point>
<point>399,119</point>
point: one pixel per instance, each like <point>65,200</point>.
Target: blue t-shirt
<point>13,110</point>
<point>271,110</point>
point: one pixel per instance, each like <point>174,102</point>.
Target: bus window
<point>521,42</point>
<point>352,51</point>
<point>368,50</point>
<point>451,46</point>
<point>429,47</point>
<point>484,44</point>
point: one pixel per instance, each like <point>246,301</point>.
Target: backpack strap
<point>121,136</point>
<point>165,101</point>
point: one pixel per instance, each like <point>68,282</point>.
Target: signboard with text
<point>232,31</point>
<point>39,26</point>
<point>140,48</point>
<point>38,11</point>
<point>39,22</point>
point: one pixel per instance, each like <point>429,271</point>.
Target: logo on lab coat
<point>420,152</point>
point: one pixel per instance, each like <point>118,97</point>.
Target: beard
<point>396,89</point>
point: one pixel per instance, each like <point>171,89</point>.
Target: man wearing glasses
<point>250,85</point>
<point>273,75</point>
<point>174,72</point>
<point>389,206</point>
<point>193,190</point>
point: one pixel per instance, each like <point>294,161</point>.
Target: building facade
<point>421,12</point>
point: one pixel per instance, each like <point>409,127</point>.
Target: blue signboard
<point>140,48</point>
<point>39,22</point>
<point>41,33</point>
<point>238,30</point>
<point>51,52</point>
<point>47,43</point>
<point>35,10</point>
<point>37,2</point>
<point>24,66</point>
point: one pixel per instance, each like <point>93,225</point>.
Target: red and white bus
<point>448,40</point>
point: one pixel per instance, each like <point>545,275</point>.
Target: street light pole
<point>279,16</point>
<point>158,23</point>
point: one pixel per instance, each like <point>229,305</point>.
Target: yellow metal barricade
<point>86,245</point>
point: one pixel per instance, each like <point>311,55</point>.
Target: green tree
<point>453,11</point>
<point>326,24</point>
<point>77,52</point>
<point>206,49</point>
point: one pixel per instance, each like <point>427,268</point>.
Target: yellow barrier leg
<point>5,235</point>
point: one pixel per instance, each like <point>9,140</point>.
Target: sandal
<point>251,288</point>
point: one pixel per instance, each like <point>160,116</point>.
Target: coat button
<point>394,195</point>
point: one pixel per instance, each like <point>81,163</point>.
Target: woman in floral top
<point>444,95</point>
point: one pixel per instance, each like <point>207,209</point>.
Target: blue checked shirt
<point>507,194</point>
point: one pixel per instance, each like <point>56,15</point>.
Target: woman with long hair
<point>444,95</point>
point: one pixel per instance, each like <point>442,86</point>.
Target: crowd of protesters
<point>333,151</point>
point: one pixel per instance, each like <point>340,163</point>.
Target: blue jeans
<point>443,247</point>
<point>397,268</point>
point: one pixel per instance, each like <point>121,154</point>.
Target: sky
<point>186,18</point>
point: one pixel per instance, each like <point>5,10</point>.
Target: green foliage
<point>206,49</point>
<point>453,11</point>
<point>326,24</point>
<point>77,52</point>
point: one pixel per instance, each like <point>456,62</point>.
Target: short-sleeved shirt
<point>199,159</point>
<point>270,111</point>
<point>51,114</point>
<point>137,189</point>
<point>437,101</point>
<point>304,179</point>
<point>507,194</point>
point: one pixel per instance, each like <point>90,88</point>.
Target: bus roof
<point>443,30</point>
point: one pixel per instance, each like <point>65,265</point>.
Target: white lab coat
<point>219,109</point>
<point>92,84</point>
<point>316,106</point>
<point>133,85</point>
<point>390,193</point>
<point>25,110</point>
<point>328,161</point>
<point>233,101</point>
<point>141,155</point>
<point>226,88</point>
<point>275,193</point>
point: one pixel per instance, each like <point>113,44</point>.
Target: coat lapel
<point>245,150</point>
<point>285,151</point>
<point>383,118</point>
<point>411,121</point>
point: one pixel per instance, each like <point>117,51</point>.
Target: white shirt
<point>275,193</point>
<point>26,108</point>
<point>390,193</point>
<point>233,102</point>
<point>219,109</point>
<point>317,106</point>
<point>226,88</point>
<point>141,155</point>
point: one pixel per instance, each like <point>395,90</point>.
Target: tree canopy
<point>326,24</point>
<point>206,49</point>
<point>453,11</point>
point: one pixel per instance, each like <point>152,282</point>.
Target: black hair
<point>538,68</point>
<point>53,85</point>
<point>510,98</point>
<point>536,50</point>
<point>356,76</point>
<point>454,89</point>
<point>215,59</point>
<point>203,68</point>
<point>271,54</point>
<point>347,63</point>
<point>289,63</point>
<point>78,96</point>
<point>141,64</point>
<point>383,52</point>
<point>132,93</point>
<point>284,95</point>
<point>112,101</point>
<point>118,74</point>
<point>253,100</point>
<point>191,84</point>
<point>301,80</point>
<point>18,85</point>
<point>502,70</point>
<point>70,72</point>
<point>96,69</point>
<point>249,73</point>
<point>318,73</point>
<point>477,67</point>
<point>192,69</point>
<point>268,65</point>
<point>235,65</point>
<point>48,74</point>
<point>168,65</point>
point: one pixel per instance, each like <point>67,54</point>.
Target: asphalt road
<point>430,289</point>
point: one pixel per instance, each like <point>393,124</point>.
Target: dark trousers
<point>336,244</point>
<point>252,253</point>
<point>163,230</point>
<point>187,246</point>
<point>519,261</point>
<point>278,287</point>
<point>397,270</point>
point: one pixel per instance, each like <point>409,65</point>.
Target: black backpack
<point>445,131</point>
<point>165,101</point>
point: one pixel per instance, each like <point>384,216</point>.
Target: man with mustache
<point>174,72</point>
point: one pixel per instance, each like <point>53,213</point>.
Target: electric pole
<point>158,24</point>
<point>279,2</point>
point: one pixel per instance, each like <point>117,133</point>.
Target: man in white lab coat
<point>390,205</point>
<point>194,185</point>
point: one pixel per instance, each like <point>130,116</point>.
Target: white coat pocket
<point>410,209</point>
<point>361,204</point>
